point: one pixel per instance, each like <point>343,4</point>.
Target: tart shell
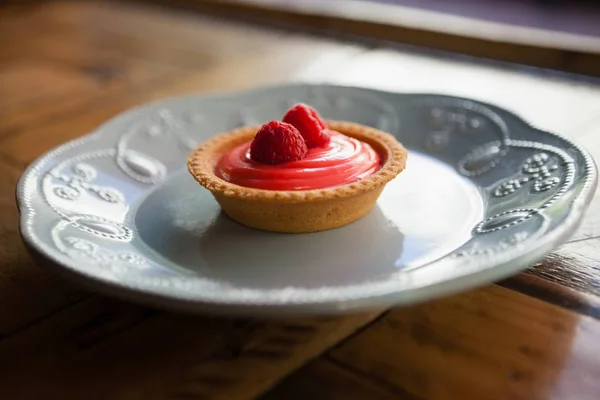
<point>298,211</point>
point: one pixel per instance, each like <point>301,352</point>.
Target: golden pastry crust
<point>297,211</point>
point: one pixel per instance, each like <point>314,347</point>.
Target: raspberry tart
<point>300,174</point>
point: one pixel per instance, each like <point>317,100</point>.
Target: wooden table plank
<point>20,83</point>
<point>101,349</point>
<point>72,33</point>
<point>104,81</point>
<point>110,50</point>
<point>491,341</point>
<point>408,25</point>
<point>326,379</point>
<point>573,265</point>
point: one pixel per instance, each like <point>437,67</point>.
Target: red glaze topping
<point>343,160</point>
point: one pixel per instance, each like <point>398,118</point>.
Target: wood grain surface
<point>66,67</point>
<point>490,343</point>
<point>416,26</point>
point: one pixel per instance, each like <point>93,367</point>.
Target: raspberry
<point>277,142</point>
<point>309,123</point>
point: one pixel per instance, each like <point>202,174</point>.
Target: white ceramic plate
<point>483,196</point>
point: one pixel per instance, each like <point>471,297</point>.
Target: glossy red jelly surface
<point>344,160</point>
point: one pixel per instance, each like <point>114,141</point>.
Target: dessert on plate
<point>300,174</point>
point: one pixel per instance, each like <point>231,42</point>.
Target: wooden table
<point>65,67</point>
<point>572,51</point>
